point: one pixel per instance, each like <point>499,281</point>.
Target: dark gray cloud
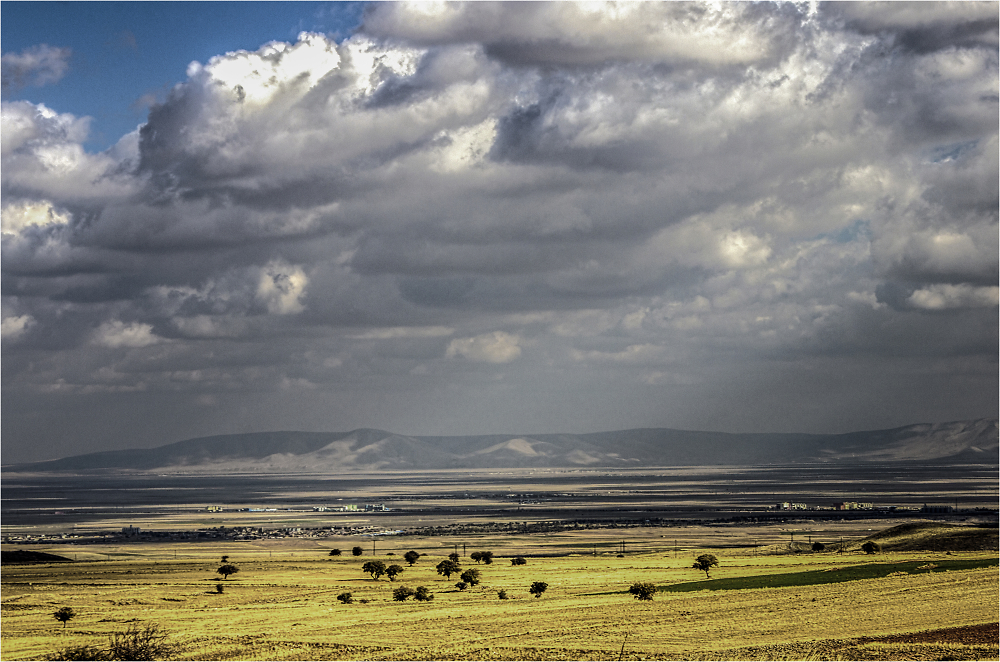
<point>529,216</point>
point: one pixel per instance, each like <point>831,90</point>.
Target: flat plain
<point>282,605</point>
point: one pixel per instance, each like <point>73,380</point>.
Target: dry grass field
<point>282,605</point>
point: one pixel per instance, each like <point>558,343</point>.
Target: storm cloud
<point>525,217</point>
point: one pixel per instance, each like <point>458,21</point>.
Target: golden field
<point>282,604</point>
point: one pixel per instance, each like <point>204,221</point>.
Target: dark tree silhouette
<point>486,557</point>
<point>402,593</point>
<point>64,615</point>
<point>227,569</point>
<point>454,556</point>
<point>642,590</point>
<point>476,556</point>
<point>502,594</point>
<point>374,568</point>
<point>518,560</point>
<point>705,562</point>
<point>470,576</point>
<point>461,586</point>
<point>357,551</point>
<point>870,547</point>
<point>225,558</point>
<point>393,571</point>
<point>346,598</point>
<point>335,552</point>
<point>818,547</point>
<point>411,557</point>
<point>537,588</point>
<point>448,568</point>
<point>423,594</point>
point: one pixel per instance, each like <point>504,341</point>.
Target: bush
<point>402,593</point>
<point>335,552</point>
<point>537,588</point>
<point>219,588</point>
<point>642,590</point>
<point>518,560</point>
<point>411,557</point>
<point>346,598</point>
<point>870,547</point>
<point>80,653</point>
<point>357,551</point>
<point>147,642</point>
<point>454,556</point>
<point>471,576</point>
<point>818,547</point>
<point>423,594</point>
<point>461,586</point>
<point>502,594</point>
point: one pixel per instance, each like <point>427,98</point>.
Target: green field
<point>282,605</point>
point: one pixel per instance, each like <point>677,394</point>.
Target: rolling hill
<point>377,450</point>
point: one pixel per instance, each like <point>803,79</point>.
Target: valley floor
<point>282,605</point>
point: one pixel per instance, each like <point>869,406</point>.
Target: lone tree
<point>357,551</point>
<point>537,588</point>
<point>374,568</point>
<point>335,552</point>
<point>818,547</point>
<point>870,547</point>
<point>448,568</point>
<point>346,598</point>
<point>423,594</point>
<point>518,560</point>
<point>227,569</point>
<point>64,615</point>
<point>225,558</point>
<point>643,590</point>
<point>461,586</point>
<point>393,571</point>
<point>470,577</point>
<point>705,562</point>
<point>411,557</point>
<point>402,593</point>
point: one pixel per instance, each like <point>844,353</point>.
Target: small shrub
<point>335,552</point>
<point>411,557</point>
<point>537,588</point>
<point>502,594</point>
<point>402,593</point>
<point>518,560</point>
<point>80,653</point>
<point>642,590</point>
<point>423,594</point>
<point>219,588</point>
<point>461,586</point>
<point>357,551</point>
<point>64,615</point>
<point>225,558</point>
<point>818,547</point>
<point>870,547</point>
<point>346,598</point>
<point>147,642</point>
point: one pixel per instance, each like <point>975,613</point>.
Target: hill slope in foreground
<point>376,450</point>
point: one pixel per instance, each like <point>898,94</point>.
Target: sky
<point>450,219</point>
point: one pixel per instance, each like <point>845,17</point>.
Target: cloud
<point>281,288</point>
<point>15,326</point>
<point>495,347</point>
<point>940,297</point>
<point>34,66</point>
<point>116,334</point>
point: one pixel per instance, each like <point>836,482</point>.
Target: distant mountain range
<point>376,450</point>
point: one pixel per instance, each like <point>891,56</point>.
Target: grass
<point>829,575</point>
<point>285,607</point>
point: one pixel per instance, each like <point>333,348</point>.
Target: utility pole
<point>463,550</point>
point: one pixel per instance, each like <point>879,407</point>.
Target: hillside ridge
<point>370,449</point>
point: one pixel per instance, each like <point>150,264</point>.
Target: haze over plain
<point>522,218</point>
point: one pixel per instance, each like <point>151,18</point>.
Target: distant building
<point>787,505</point>
<point>939,510</point>
<point>375,506</point>
<point>214,509</point>
<point>854,505</point>
<point>131,530</point>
